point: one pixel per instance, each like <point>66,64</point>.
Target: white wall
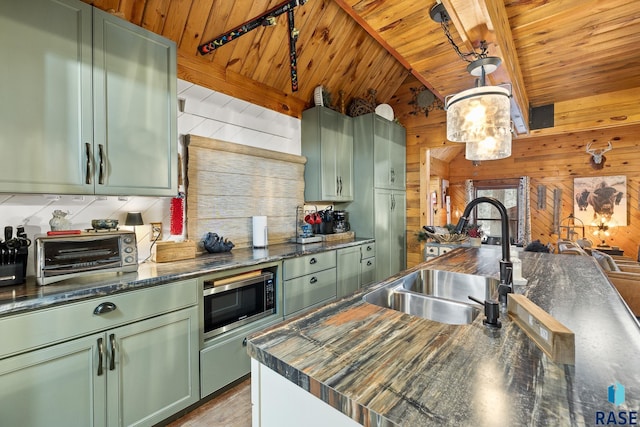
<point>206,113</point>
<point>219,116</point>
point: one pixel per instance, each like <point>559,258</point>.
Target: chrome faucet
<point>506,266</point>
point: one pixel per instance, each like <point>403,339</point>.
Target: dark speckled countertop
<point>384,368</point>
<point>30,296</point>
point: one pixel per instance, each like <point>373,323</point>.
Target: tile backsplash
<point>206,113</point>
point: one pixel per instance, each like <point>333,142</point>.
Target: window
<point>488,216</point>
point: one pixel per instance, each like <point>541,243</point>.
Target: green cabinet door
<point>327,142</point>
<point>61,385</point>
<point>397,156</point>
<point>348,270</point>
<point>155,371</point>
<point>390,224</point>
<point>397,232</point>
<point>90,103</point>
<point>135,146</point>
<point>45,113</point>
<point>389,154</point>
<point>382,203</point>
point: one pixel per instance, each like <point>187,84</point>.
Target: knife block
<point>14,273</point>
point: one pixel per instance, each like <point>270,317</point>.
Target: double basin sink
<point>442,296</point>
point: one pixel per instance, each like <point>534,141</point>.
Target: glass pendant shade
<point>481,117</point>
<point>489,148</point>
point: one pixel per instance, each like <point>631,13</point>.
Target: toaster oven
<point>63,257</point>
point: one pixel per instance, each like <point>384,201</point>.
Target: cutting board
<point>336,237</point>
<point>174,251</point>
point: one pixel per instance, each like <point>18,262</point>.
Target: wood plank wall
<point>550,159</point>
<point>229,183</point>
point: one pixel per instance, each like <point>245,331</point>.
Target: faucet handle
<point>491,312</point>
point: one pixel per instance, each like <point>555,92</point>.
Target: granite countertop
<point>385,368</point>
<point>30,296</point>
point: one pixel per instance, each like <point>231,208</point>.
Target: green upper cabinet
<point>93,102</point>
<point>135,115</point>
<point>327,142</point>
<point>45,113</point>
<point>389,140</point>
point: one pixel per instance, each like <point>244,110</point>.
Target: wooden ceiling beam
<point>373,33</point>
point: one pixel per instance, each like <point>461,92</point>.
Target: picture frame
<point>600,197</point>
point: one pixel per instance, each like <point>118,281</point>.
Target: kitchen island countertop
<point>385,368</point>
<point>29,296</point>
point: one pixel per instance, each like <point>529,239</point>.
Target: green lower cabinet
<point>80,383</point>
<point>156,369</point>
<point>55,386</point>
<point>348,271</point>
<point>225,360</point>
<point>307,291</point>
<point>367,271</point>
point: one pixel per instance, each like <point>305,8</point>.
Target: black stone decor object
<point>215,244</point>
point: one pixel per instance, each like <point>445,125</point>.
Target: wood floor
<point>231,409</point>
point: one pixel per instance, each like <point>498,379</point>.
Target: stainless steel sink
<point>451,285</point>
<point>438,295</point>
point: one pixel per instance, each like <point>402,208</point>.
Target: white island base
<point>277,402</point>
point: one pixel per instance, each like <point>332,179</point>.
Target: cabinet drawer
<point>368,271</point>
<point>28,331</point>
<point>308,290</point>
<point>308,264</point>
<point>431,250</point>
<point>227,360</point>
<point>368,250</point>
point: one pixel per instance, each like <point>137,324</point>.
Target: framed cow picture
<point>599,199</point>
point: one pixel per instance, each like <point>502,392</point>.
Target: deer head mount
<point>597,158</point>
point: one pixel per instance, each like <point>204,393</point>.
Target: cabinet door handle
<point>87,172</point>
<point>244,342</point>
<point>393,175</point>
<point>313,280</point>
<point>100,354</point>
<point>102,164</point>
<point>340,181</point>
<point>337,184</point>
<point>103,308</point>
<point>112,362</point>
<point>313,261</point>
<point>369,263</point>
<point>369,248</point>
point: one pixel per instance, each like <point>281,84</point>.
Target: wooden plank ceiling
<point>552,51</point>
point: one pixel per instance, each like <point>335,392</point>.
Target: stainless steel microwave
<point>64,257</point>
<point>231,304</point>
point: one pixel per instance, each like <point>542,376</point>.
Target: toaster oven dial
<point>128,259</point>
<point>128,239</point>
<point>128,249</point>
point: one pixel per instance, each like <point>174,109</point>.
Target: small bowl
<point>104,224</point>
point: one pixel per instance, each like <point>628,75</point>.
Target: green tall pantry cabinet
<point>378,209</point>
<point>88,102</point>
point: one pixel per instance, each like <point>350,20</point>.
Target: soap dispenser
<point>517,267</point>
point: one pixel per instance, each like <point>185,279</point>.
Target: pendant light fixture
<point>480,116</point>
